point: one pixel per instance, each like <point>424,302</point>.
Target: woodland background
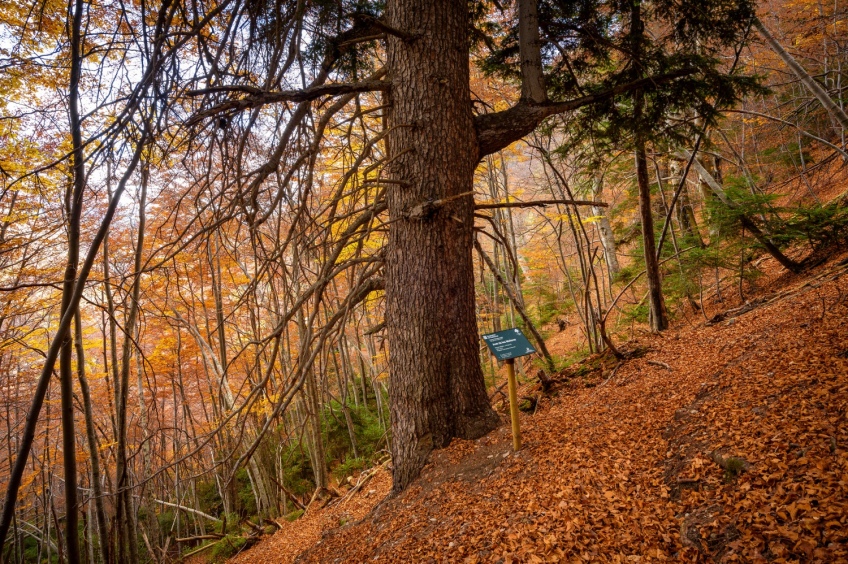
<point>248,369</point>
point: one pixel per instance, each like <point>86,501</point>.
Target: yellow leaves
<point>105,446</point>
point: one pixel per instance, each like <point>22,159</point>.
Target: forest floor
<point>719,441</point>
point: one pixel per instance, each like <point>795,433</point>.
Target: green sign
<point>508,344</point>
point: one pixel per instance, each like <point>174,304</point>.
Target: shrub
<point>208,497</point>
<point>348,467</point>
<point>298,476</point>
<point>819,226</point>
<point>367,431</point>
<point>245,498</point>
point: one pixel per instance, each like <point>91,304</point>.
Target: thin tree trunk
<point>93,447</point>
<point>73,209</point>
<point>530,326</point>
<point>604,227</point>
<point>746,221</point>
<point>125,503</point>
<point>657,317</point>
<point>808,81</point>
<point>685,211</point>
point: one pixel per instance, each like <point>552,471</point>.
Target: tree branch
<point>539,203</point>
<point>498,130</point>
<point>257,98</point>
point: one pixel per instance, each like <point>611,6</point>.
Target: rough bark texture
<point>533,83</point>
<point>437,388</point>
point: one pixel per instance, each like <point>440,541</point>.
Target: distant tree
<point>592,46</point>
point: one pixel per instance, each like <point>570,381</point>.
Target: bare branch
<point>540,204</point>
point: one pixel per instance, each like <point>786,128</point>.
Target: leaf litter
<point>725,441</point>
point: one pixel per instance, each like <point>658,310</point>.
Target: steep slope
<point>726,441</point>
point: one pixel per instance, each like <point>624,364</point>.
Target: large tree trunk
<point>437,389</point>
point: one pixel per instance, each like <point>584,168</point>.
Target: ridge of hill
<point>723,441</point>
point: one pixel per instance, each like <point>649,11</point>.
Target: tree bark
<point>685,211</point>
<point>125,512</point>
<point>604,227</point>
<point>73,209</point>
<point>437,388</point>
<point>93,447</point>
<point>657,317</point>
<point>529,45</point>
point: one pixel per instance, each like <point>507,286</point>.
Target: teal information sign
<point>508,344</point>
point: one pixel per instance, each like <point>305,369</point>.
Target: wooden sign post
<point>513,404</point>
<point>507,346</point>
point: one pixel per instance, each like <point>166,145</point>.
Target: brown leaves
<point>642,469</point>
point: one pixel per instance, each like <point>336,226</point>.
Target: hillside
<point>723,441</point>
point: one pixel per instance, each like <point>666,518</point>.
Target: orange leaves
<point>639,470</point>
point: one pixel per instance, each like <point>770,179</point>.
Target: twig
<point>363,479</point>
<point>660,363</point>
<point>614,370</point>
<point>198,550</point>
<point>297,503</point>
<point>497,391</point>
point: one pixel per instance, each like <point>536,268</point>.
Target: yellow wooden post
<point>513,404</point>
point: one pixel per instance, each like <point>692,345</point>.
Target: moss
<point>294,515</point>
<point>227,547</point>
<point>733,467</point>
